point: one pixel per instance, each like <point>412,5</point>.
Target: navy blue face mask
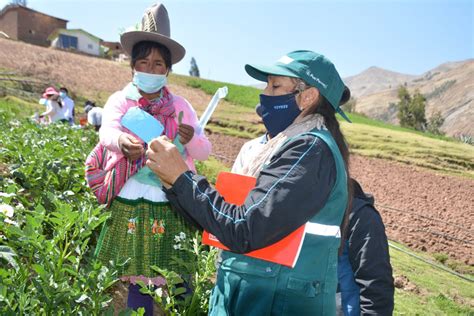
<point>278,112</point>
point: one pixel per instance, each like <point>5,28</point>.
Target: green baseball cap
<point>315,69</point>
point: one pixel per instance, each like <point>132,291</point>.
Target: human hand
<point>165,160</point>
<point>186,133</point>
<point>131,147</point>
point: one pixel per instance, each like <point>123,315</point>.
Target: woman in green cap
<point>301,173</point>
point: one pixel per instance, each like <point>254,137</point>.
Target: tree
<point>20,2</point>
<point>411,110</point>
<point>435,122</point>
<point>194,70</point>
<point>350,106</point>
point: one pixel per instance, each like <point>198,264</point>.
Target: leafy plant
<point>467,139</point>
<point>441,257</point>
<point>187,295</point>
<point>47,240</point>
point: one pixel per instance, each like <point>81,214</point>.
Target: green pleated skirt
<point>143,233</point>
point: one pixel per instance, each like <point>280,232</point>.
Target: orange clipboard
<point>234,188</point>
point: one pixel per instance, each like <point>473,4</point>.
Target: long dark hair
<point>324,108</point>
<point>60,104</point>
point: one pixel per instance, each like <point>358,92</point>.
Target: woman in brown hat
<point>142,227</point>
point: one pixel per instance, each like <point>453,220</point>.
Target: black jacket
<point>290,190</point>
<point>369,255</point>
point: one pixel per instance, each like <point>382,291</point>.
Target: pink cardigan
<point>118,104</point>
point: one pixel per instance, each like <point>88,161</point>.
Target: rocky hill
<point>449,89</point>
<point>375,79</point>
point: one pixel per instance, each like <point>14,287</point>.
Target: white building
<point>76,39</point>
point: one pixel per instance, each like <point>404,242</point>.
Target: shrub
<point>441,257</point>
<point>411,110</point>
<point>434,123</point>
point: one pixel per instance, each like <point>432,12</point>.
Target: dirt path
<point>426,211</point>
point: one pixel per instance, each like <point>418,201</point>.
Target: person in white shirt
<point>55,111</point>
<point>94,114</point>
<point>68,104</point>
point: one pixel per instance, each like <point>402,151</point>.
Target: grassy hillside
<point>424,289</point>
<point>411,148</point>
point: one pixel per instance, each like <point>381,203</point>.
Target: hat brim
<point>346,95</point>
<point>129,39</point>
<point>262,72</point>
<point>46,95</point>
<point>344,116</point>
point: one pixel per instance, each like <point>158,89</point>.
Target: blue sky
<point>405,36</point>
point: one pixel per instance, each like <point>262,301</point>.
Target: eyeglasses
<point>300,86</point>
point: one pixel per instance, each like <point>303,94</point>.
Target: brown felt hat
<point>155,28</point>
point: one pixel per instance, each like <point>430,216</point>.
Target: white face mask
<point>149,83</point>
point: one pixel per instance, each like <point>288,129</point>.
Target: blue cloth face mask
<point>278,112</point>
<point>149,83</point>
<point>62,95</point>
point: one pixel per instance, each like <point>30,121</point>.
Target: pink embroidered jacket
<point>118,104</point>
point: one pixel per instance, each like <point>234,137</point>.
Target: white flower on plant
<point>182,235</point>
<point>7,210</point>
<point>177,246</point>
<point>159,292</point>
<point>177,238</point>
<point>7,195</point>
<point>9,221</point>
